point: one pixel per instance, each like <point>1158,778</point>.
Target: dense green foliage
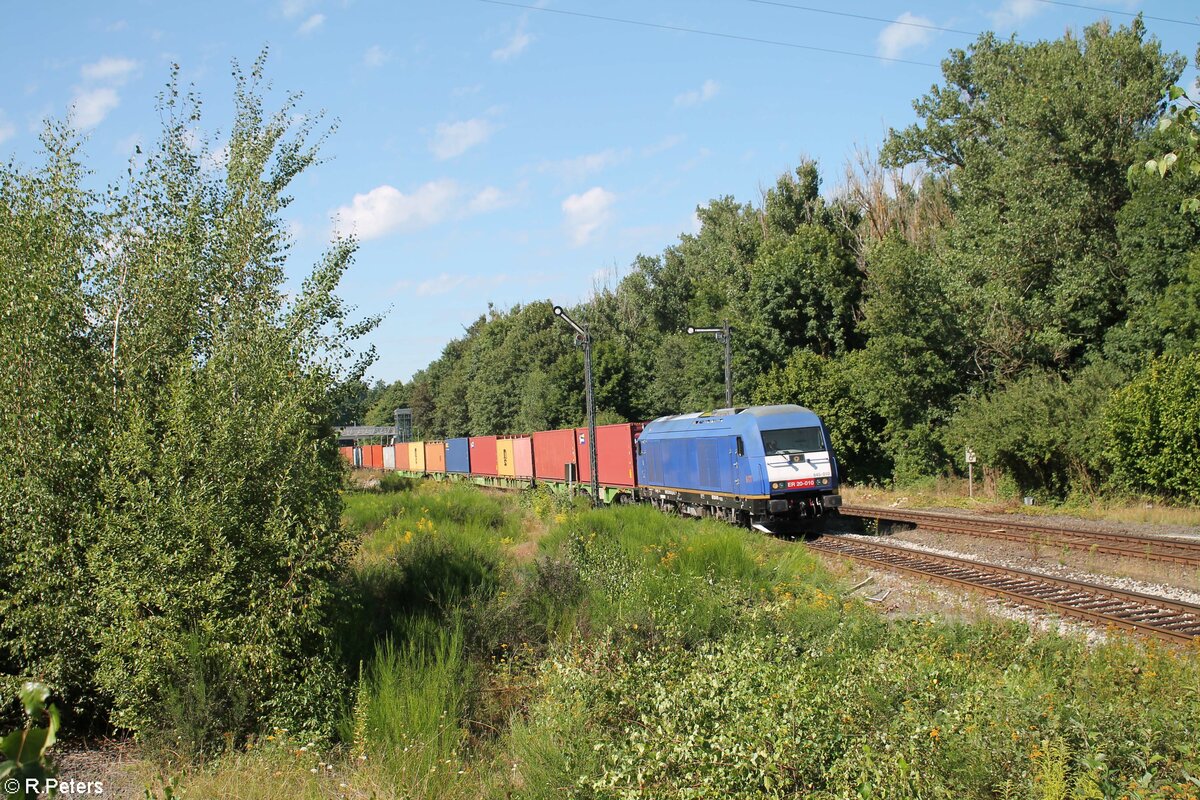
<point>630,654</point>
<point>168,475</point>
<point>1151,424</point>
<point>918,314</point>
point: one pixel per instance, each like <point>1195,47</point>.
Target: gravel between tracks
<point>1048,568</point>
<point>1189,532</point>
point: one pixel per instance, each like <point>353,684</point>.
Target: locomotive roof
<point>736,420</point>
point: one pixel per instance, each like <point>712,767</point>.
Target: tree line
<point>997,276</point>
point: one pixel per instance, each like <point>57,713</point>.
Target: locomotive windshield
<point>792,440</point>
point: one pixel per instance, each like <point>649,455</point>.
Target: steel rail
<point>1169,619</point>
<point>1129,545</point>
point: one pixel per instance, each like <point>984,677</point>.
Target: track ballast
<point>1173,620</point>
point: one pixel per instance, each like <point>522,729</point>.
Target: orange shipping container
<point>505,463</point>
<point>416,456</point>
<point>435,456</point>
<point>348,454</point>
<point>402,451</point>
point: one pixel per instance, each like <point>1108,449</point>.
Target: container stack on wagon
<point>554,455</point>
<point>435,457</point>
<point>416,457</point>
<point>458,456</point>
<point>514,457</point>
<point>615,462</point>
<point>483,456</point>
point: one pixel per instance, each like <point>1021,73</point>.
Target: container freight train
<point>755,465</point>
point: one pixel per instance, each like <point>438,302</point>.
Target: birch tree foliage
<point>186,400</point>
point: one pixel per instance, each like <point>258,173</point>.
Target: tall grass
<point>409,710</point>
<point>651,573</point>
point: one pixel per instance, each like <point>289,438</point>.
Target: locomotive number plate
<point>803,483</point>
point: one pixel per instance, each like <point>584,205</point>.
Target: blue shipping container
<point>458,455</point>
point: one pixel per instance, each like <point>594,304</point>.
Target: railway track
<point>1175,551</point>
<point>1173,620</point>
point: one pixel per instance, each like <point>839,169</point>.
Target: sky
<point>501,153</point>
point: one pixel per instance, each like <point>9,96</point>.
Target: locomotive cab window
<point>792,440</point>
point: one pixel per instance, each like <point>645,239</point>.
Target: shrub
<point>1152,429</point>
<point>1043,431</point>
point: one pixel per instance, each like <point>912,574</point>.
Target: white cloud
<point>127,147</point>
<point>460,91</point>
<point>586,213</point>
<point>109,70</point>
<point>488,199</point>
<point>707,91</point>
<point>91,106</point>
<point>516,45</point>
<point>902,35</point>
<point>701,155</point>
<point>442,284</point>
<point>311,24</point>
<point>385,209</point>
<point>7,129</point>
<point>455,138</point>
<point>294,8</point>
<point>376,56</point>
<point>662,145</point>
<point>295,229</point>
<point>216,160</point>
<point>578,168</point>
<point>1013,11</point>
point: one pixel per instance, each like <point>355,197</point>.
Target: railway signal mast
<point>582,337</point>
<point>722,335</point>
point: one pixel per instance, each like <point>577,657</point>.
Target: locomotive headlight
<point>776,485</point>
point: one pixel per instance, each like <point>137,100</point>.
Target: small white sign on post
<point>971,473</point>
<point>970,456</point>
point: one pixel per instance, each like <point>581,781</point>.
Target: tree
<point>914,362</point>
<point>54,411</point>
<point>829,388</point>
<point>803,293</point>
<point>1037,140</point>
<point>197,534</point>
<point>1183,120</point>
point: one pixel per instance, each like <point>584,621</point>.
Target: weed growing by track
<point>639,655</point>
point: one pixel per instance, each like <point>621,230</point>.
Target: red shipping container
<point>373,456</point>
<point>402,457</point>
<point>552,450</point>
<point>615,458</point>
<point>348,454</point>
<point>522,456</point>
<point>482,451</point>
<point>435,456</point>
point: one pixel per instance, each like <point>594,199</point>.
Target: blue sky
<point>489,153</point>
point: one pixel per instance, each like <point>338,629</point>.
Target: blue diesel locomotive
<point>756,465</point>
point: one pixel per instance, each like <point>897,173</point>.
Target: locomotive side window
<point>792,440</point>
<point>741,447</point>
